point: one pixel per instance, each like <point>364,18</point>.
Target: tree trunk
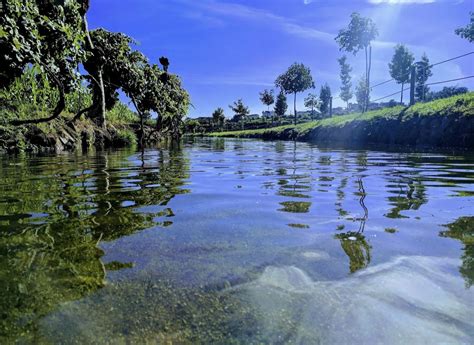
<point>101,108</point>
<point>368,76</point>
<point>57,110</point>
<point>294,104</point>
<point>401,95</point>
<point>80,112</point>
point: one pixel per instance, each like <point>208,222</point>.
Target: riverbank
<point>442,123</point>
<point>61,135</point>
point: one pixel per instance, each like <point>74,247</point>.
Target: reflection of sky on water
<point>219,215</point>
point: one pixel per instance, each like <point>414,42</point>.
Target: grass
<point>461,104</point>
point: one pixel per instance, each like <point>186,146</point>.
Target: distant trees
<point>312,102</point>
<point>281,106</point>
<point>345,74</point>
<point>423,73</point>
<point>467,32</point>
<point>267,98</point>
<point>296,79</point>
<point>361,94</point>
<point>218,118</point>
<point>446,92</point>
<point>357,36</point>
<point>240,110</point>
<point>400,66</point>
<point>325,97</point>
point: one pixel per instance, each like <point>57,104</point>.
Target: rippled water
<point>237,241</point>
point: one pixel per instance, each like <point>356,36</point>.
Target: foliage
<point>296,79</point>
<point>240,110</point>
<point>446,92</point>
<point>358,36</point>
<point>361,94</point>
<point>346,87</point>
<point>400,66</point>
<point>218,117</point>
<point>312,102</point>
<point>121,114</point>
<point>325,96</point>
<point>281,106</point>
<point>423,73</point>
<point>467,32</point>
<point>267,98</point>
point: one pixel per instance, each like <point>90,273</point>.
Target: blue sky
<point>225,50</point>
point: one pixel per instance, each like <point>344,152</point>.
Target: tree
<point>240,111</point>
<point>296,79</point>
<point>312,102</point>
<point>218,117</point>
<point>346,87</point>
<point>423,72</point>
<point>267,98</point>
<point>281,106</point>
<point>400,66</point>
<point>48,34</point>
<point>467,32</point>
<point>447,91</point>
<point>325,96</point>
<point>357,36</point>
<point>361,94</point>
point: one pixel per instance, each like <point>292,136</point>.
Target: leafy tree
<point>358,36</point>
<point>400,66</point>
<point>296,79</point>
<point>281,106</point>
<point>325,96</point>
<point>240,111</point>
<point>48,34</point>
<point>467,32</point>
<point>312,102</point>
<point>423,72</point>
<point>346,87</point>
<point>267,98</point>
<point>218,117</point>
<point>361,94</point>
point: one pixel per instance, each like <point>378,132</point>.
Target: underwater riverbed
<point>237,241</point>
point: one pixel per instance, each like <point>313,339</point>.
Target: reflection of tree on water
<point>354,243</point>
<point>463,230</point>
<point>409,197</point>
<point>49,234</point>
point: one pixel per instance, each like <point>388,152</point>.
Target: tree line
<point>52,38</point>
<point>356,37</point>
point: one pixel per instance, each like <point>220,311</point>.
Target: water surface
<point>237,241</point>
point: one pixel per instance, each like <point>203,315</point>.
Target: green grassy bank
<point>445,122</point>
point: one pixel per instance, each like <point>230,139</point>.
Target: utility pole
<point>330,106</point>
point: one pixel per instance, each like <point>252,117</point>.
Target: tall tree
<point>361,94</point>
<point>400,66</point>
<point>312,102</point>
<point>280,106</point>
<point>218,117</point>
<point>467,32</point>
<point>358,36</point>
<point>325,96</point>
<point>240,110</point>
<point>423,72</point>
<point>345,74</point>
<point>296,79</point>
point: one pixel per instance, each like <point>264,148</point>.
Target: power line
<point>449,81</point>
<point>454,58</point>
<point>393,94</point>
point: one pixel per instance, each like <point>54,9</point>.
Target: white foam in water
<point>410,300</point>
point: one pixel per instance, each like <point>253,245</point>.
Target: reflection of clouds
<point>408,300</point>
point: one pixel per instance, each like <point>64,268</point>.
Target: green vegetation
<point>45,42</point>
<point>400,66</point>
<point>456,107</point>
<point>467,32</point>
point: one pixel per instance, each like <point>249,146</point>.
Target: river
<point>237,241</point>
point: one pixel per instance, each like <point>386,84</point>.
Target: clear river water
<point>230,241</point>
